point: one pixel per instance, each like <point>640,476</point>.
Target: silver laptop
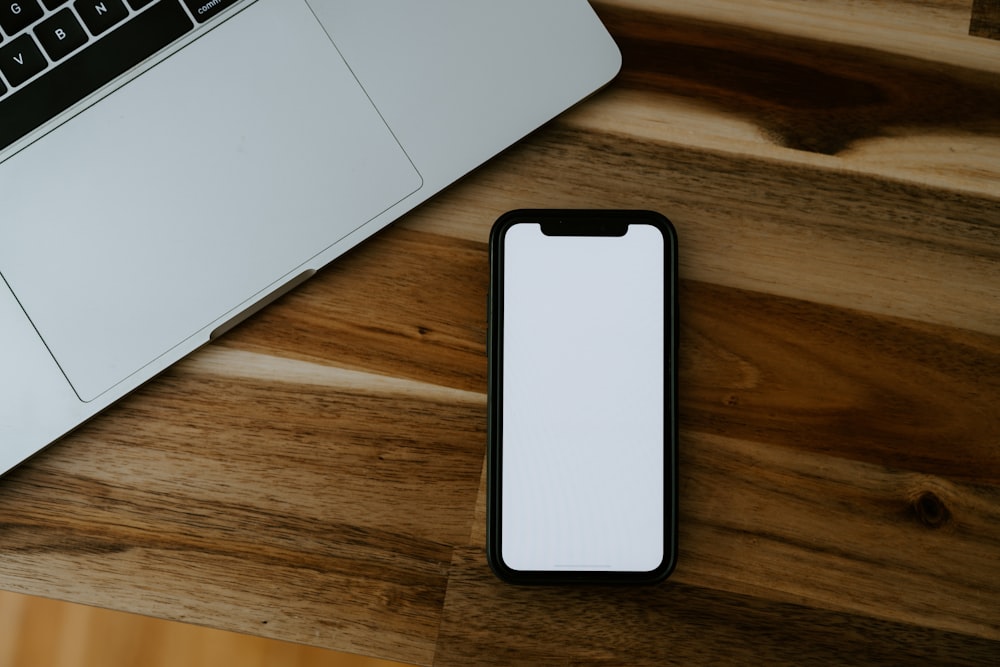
<point>166,166</point>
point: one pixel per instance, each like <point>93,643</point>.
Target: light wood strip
<point>48,633</point>
<point>233,363</point>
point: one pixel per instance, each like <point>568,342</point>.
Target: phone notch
<point>585,227</point>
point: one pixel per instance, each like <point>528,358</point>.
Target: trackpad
<point>199,186</point>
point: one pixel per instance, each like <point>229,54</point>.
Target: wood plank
<point>929,29</point>
<point>804,94</point>
<point>756,521</point>
<point>675,623</point>
<point>786,372</point>
<point>748,222</point>
<point>958,159</point>
<point>302,544</point>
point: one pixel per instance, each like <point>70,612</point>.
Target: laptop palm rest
<point>272,155</point>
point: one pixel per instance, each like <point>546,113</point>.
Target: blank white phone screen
<point>582,482</point>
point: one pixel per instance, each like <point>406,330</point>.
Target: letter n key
<point>99,15</point>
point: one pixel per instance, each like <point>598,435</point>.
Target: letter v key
<point>20,60</point>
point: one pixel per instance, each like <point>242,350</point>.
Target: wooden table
<point>833,170</point>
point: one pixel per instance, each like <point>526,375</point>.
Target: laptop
<point>168,166</point>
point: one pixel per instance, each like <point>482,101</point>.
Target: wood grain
<point>833,170</point>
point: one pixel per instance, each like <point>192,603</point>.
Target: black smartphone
<point>582,401</point>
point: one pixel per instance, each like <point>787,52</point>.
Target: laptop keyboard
<point>53,53</point>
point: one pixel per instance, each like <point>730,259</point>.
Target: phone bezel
<point>588,222</point>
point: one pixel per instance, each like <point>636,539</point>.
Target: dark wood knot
<point>929,509</point>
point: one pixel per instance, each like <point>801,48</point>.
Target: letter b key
<point>60,34</point>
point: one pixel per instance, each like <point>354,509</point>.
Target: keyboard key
<point>206,9</point>
<point>16,15</point>
<point>54,4</point>
<point>99,15</point>
<point>60,34</point>
<point>81,74</point>
<point>20,60</point>
<point>138,4</point>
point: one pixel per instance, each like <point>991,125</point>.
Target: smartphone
<point>582,405</point>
